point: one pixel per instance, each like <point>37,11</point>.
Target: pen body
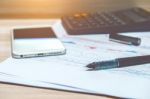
<point>120,62</point>
<point>133,60</point>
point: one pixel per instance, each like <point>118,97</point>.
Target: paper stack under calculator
<point>68,72</point>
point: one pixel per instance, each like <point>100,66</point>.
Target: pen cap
<point>125,39</point>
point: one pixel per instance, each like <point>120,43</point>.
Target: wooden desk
<point>8,91</point>
<point>58,8</point>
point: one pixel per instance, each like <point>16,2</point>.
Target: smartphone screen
<point>32,42</point>
<point>42,32</point>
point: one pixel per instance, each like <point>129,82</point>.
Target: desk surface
<point>23,92</point>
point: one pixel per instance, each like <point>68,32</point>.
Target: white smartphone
<point>35,41</point>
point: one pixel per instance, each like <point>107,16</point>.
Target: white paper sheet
<point>14,79</point>
<point>70,70</point>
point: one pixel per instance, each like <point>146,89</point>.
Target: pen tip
<point>92,65</point>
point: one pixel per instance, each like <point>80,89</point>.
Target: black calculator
<point>127,20</point>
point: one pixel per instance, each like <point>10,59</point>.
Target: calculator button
<point>77,16</point>
<point>84,14</point>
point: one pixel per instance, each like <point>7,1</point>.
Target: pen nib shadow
<point>90,70</point>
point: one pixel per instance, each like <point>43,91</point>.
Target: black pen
<point>125,39</point>
<point>120,62</point>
